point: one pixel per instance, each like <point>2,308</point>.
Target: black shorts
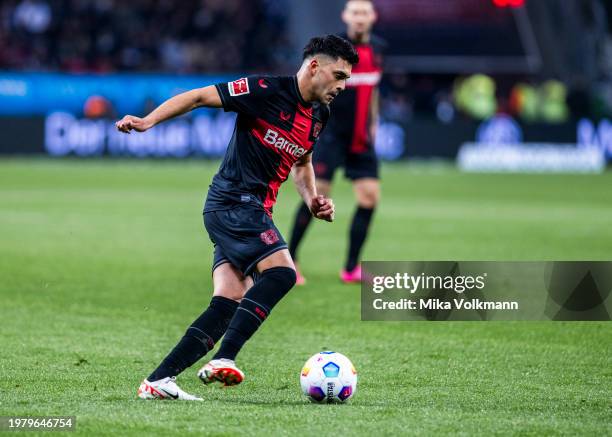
<point>333,151</point>
<point>243,236</point>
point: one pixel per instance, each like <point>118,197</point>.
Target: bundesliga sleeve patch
<point>238,87</point>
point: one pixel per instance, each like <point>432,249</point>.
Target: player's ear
<point>313,65</point>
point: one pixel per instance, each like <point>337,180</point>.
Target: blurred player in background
<point>279,120</point>
<point>348,140</point>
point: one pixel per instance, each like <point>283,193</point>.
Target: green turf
<point>104,263</point>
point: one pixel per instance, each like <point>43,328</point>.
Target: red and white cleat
<point>351,277</point>
<point>164,389</point>
<point>221,370</point>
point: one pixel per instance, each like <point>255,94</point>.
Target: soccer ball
<point>328,377</point>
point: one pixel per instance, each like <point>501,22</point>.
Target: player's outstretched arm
<point>304,178</point>
<point>177,105</point>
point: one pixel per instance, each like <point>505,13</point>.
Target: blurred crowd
<point>237,36</point>
<point>142,35</point>
<point>479,97</point>
<point>574,80</point>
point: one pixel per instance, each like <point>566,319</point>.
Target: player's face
<point>329,78</point>
<point>359,16</point>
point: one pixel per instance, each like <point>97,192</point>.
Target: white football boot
<point>221,370</point>
<point>164,388</point>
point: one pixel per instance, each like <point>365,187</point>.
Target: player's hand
<point>129,123</point>
<point>322,208</point>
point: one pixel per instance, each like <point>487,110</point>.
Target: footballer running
<point>348,140</point>
<point>279,121</point>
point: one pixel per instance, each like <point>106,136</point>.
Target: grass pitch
<point>103,264</point>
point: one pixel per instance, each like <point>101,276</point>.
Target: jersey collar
<point>296,89</point>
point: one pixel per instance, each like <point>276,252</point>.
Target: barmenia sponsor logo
<point>272,137</point>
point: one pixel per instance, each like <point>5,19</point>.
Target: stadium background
<point>103,258</point>
<point>69,65</point>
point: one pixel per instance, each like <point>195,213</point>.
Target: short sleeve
<point>245,95</point>
<point>319,126</point>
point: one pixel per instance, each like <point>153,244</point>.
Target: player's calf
<point>253,310</point>
<point>199,338</point>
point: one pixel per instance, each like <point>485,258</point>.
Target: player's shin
<point>254,308</point>
<point>358,233</point>
<point>199,338</point>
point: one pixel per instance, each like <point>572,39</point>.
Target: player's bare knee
<point>230,283</point>
<point>280,258</point>
<point>235,293</point>
<point>232,289</point>
<point>368,198</point>
<point>367,192</point>
<point>368,202</point>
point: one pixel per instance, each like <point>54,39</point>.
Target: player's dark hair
<point>332,46</point>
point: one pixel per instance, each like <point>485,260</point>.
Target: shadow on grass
<point>256,402</point>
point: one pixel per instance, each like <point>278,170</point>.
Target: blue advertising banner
<point>207,134</point>
<point>42,93</point>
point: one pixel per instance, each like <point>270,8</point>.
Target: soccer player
<point>349,139</point>
<point>279,120</point>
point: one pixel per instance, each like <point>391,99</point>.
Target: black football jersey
<point>274,128</point>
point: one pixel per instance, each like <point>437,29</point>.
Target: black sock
<point>200,338</point>
<point>300,224</point>
<point>358,234</point>
<point>254,308</point>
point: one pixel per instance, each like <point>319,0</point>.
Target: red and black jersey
<point>350,119</point>
<point>275,127</point>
